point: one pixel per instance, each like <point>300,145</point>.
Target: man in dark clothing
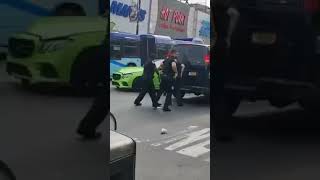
<point>169,74</point>
<point>95,116</point>
<point>225,19</point>
<point>100,107</point>
<point>148,85</point>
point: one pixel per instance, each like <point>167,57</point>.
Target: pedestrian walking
<point>148,85</point>
<point>169,74</point>
<point>95,116</point>
<point>100,107</point>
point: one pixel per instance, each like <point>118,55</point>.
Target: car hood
<point>52,27</point>
<point>127,70</point>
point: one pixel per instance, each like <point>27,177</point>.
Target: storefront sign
<point>172,18</point>
<point>125,10</point>
<point>205,29</point>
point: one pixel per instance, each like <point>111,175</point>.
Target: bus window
<point>130,49</point>
<point>115,50</point>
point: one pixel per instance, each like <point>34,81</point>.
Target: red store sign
<point>177,17</point>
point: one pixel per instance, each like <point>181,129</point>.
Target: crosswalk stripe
<point>196,150</point>
<point>192,137</point>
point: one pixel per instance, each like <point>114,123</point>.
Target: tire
<point>131,65</point>
<point>309,106</point>
<point>25,83</point>
<point>232,105</point>
<point>137,84</point>
<point>182,94</point>
<point>279,103</point>
<point>69,9</point>
<point>84,75</point>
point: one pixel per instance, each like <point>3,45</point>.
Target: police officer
<point>169,74</point>
<point>148,85</point>
<point>225,19</point>
<point>178,82</point>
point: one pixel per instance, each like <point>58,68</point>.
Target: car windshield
<point>191,54</point>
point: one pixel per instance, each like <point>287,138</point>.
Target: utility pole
<point>139,5</point>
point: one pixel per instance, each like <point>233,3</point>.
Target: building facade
<point>162,17</point>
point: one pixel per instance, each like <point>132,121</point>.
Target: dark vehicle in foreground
<point>196,58</point>
<point>275,54</point>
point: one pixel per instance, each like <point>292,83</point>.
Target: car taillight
<point>207,59</point>
<point>311,5</point>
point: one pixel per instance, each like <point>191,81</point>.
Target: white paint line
<point>192,137</point>
<point>156,144</point>
<point>196,150</point>
<point>192,127</point>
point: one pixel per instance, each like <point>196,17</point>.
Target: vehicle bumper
<point>122,84</point>
<point>271,87</point>
<point>196,89</point>
<point>35,72</point>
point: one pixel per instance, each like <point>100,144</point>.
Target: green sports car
<point>131,78</point>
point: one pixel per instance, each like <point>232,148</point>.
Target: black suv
<point>275,54</point>
<point>196,58</point>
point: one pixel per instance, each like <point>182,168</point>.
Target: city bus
<point>17,15</point>
<point>125,50</point>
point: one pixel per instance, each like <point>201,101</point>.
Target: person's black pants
<point>148,87</point>
<point>161,90</point>
<point>177,91</point>
<point>97,113</point>
<point>167,84</point>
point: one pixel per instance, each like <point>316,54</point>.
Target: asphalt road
<point>270,144</point>
<point>38,139</point>
<point>181,154</point>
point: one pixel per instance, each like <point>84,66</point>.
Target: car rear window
<point>191,54</point>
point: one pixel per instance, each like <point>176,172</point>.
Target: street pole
<point>137,29</point>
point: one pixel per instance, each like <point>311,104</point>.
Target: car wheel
<point>309,105</point>
<point>25,83</point>
<point>84,72</point>
<point>182,93</point>
<point>279,103</point>
<point>131,65</point>
<point>137,84</point>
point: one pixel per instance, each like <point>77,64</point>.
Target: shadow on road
<point>197,100</point>
<point>289,125</point>
<point>50,90</point>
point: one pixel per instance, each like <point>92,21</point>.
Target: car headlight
<point>52,45</point>
<point>127,75</point>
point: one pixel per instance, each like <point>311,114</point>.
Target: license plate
<point>264,38</point>
<point>192,73</point>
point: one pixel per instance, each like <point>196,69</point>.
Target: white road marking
<point>185,141</point>
<point>196,150</point>
<point>192,137</point>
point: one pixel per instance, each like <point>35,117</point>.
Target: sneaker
<point>137,104</point>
